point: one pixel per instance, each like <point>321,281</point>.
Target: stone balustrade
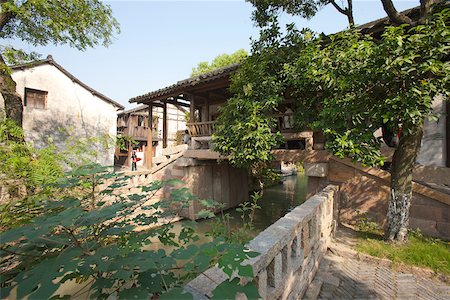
<point>290,251</point>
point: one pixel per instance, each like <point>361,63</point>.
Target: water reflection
<point>280,199</point>
<point>275,203</point>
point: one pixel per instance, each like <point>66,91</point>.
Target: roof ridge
<point>51,61</point>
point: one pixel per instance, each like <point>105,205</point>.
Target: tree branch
<point>425,8</point>
<point>345,11</point>
<point>5,17</point>
<point>339,9</point>
<point>394,15</point>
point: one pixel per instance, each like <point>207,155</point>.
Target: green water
<point>280,199</point>
<point>275,203</point>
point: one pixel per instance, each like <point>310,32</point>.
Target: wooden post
<point>205,111</point>
<point>149,152</point>
<point>192,109</point>
<point>165,124</point>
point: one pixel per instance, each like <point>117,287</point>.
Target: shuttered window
<point>35,98</point>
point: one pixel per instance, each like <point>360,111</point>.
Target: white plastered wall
<point>175,122</point>
<point>71,111</point>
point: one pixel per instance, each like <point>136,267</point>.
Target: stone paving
<point>352,278</point>
<point>346,274</point>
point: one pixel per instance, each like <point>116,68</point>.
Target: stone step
<point>313,291</point>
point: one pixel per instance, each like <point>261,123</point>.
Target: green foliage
<point>122,142</point>
<point>268,10</point>
<point>366,225</point>
<point>362,84</point>
<point>78,23</point>
<point>417,251</point>
<point>348,85</point>
<point>25,173</point>
<point>244,128</point>
<point>245,231</point>
<point>220,61</point>
<point>93,239</point>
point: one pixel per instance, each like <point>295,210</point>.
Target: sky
<point>161,41</point>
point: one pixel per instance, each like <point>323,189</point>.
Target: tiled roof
<point>135,109</point>
<point>187,83</point>
<point>49,60</point>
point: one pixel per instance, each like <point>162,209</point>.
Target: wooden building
<point>134,123</point>
<point>204,95</point>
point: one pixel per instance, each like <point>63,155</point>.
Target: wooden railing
<point>200,128</point>
<point>285,122</point>
<point>140,132</point>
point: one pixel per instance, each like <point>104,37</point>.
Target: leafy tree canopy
<point>220,61</point>
<point>348,86</point>
<point>78,23</point>
<point>266,11</point>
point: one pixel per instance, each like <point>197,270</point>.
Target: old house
<point>166,131</point>
<point>59,108</point>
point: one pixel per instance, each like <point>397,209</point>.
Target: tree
<point>78,23</point>
<point>220,61</point>
<point>349,86</point>
<point>267,10</point>
<point>362,85</point>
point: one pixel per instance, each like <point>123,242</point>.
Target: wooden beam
<point>149,149</point>
<point>165,125</point>
<point>222,83</point>
<point>174,102</point>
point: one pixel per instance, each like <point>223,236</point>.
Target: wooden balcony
<point>285,123</point>
<point>139,133</point>
<point>200,129</point>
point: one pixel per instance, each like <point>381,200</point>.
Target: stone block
<point>262,283</point>
<point>179,173</point>
<point>427,212</point>
<point>428,227</point>
<point>159,159</point>
<point>207,282</point>
<point>186,162</point>
<point>338,172</point>
<point>274,272</point>
<point>316,169</point>
<point>174,149</point>
<point>444,230</point>
<point>313,289</point>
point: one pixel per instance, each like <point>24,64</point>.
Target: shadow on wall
<point>361,196</point>
<point>368,197</point>
<point>75,136</point>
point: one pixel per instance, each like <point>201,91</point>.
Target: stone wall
<point>290,251</point>
<point>220,182</point>
<point>365,192</point>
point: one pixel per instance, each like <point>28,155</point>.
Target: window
<point>35,98</point>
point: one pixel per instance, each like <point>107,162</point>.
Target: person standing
<point>133,161</point>
<point>186,137</point>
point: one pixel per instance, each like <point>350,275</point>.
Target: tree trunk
<point>403,163</point>
<point>13,101</point>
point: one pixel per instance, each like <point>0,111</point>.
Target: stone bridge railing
<point>290,251</point>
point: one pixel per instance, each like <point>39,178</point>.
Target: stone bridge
<point>290,251</point>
